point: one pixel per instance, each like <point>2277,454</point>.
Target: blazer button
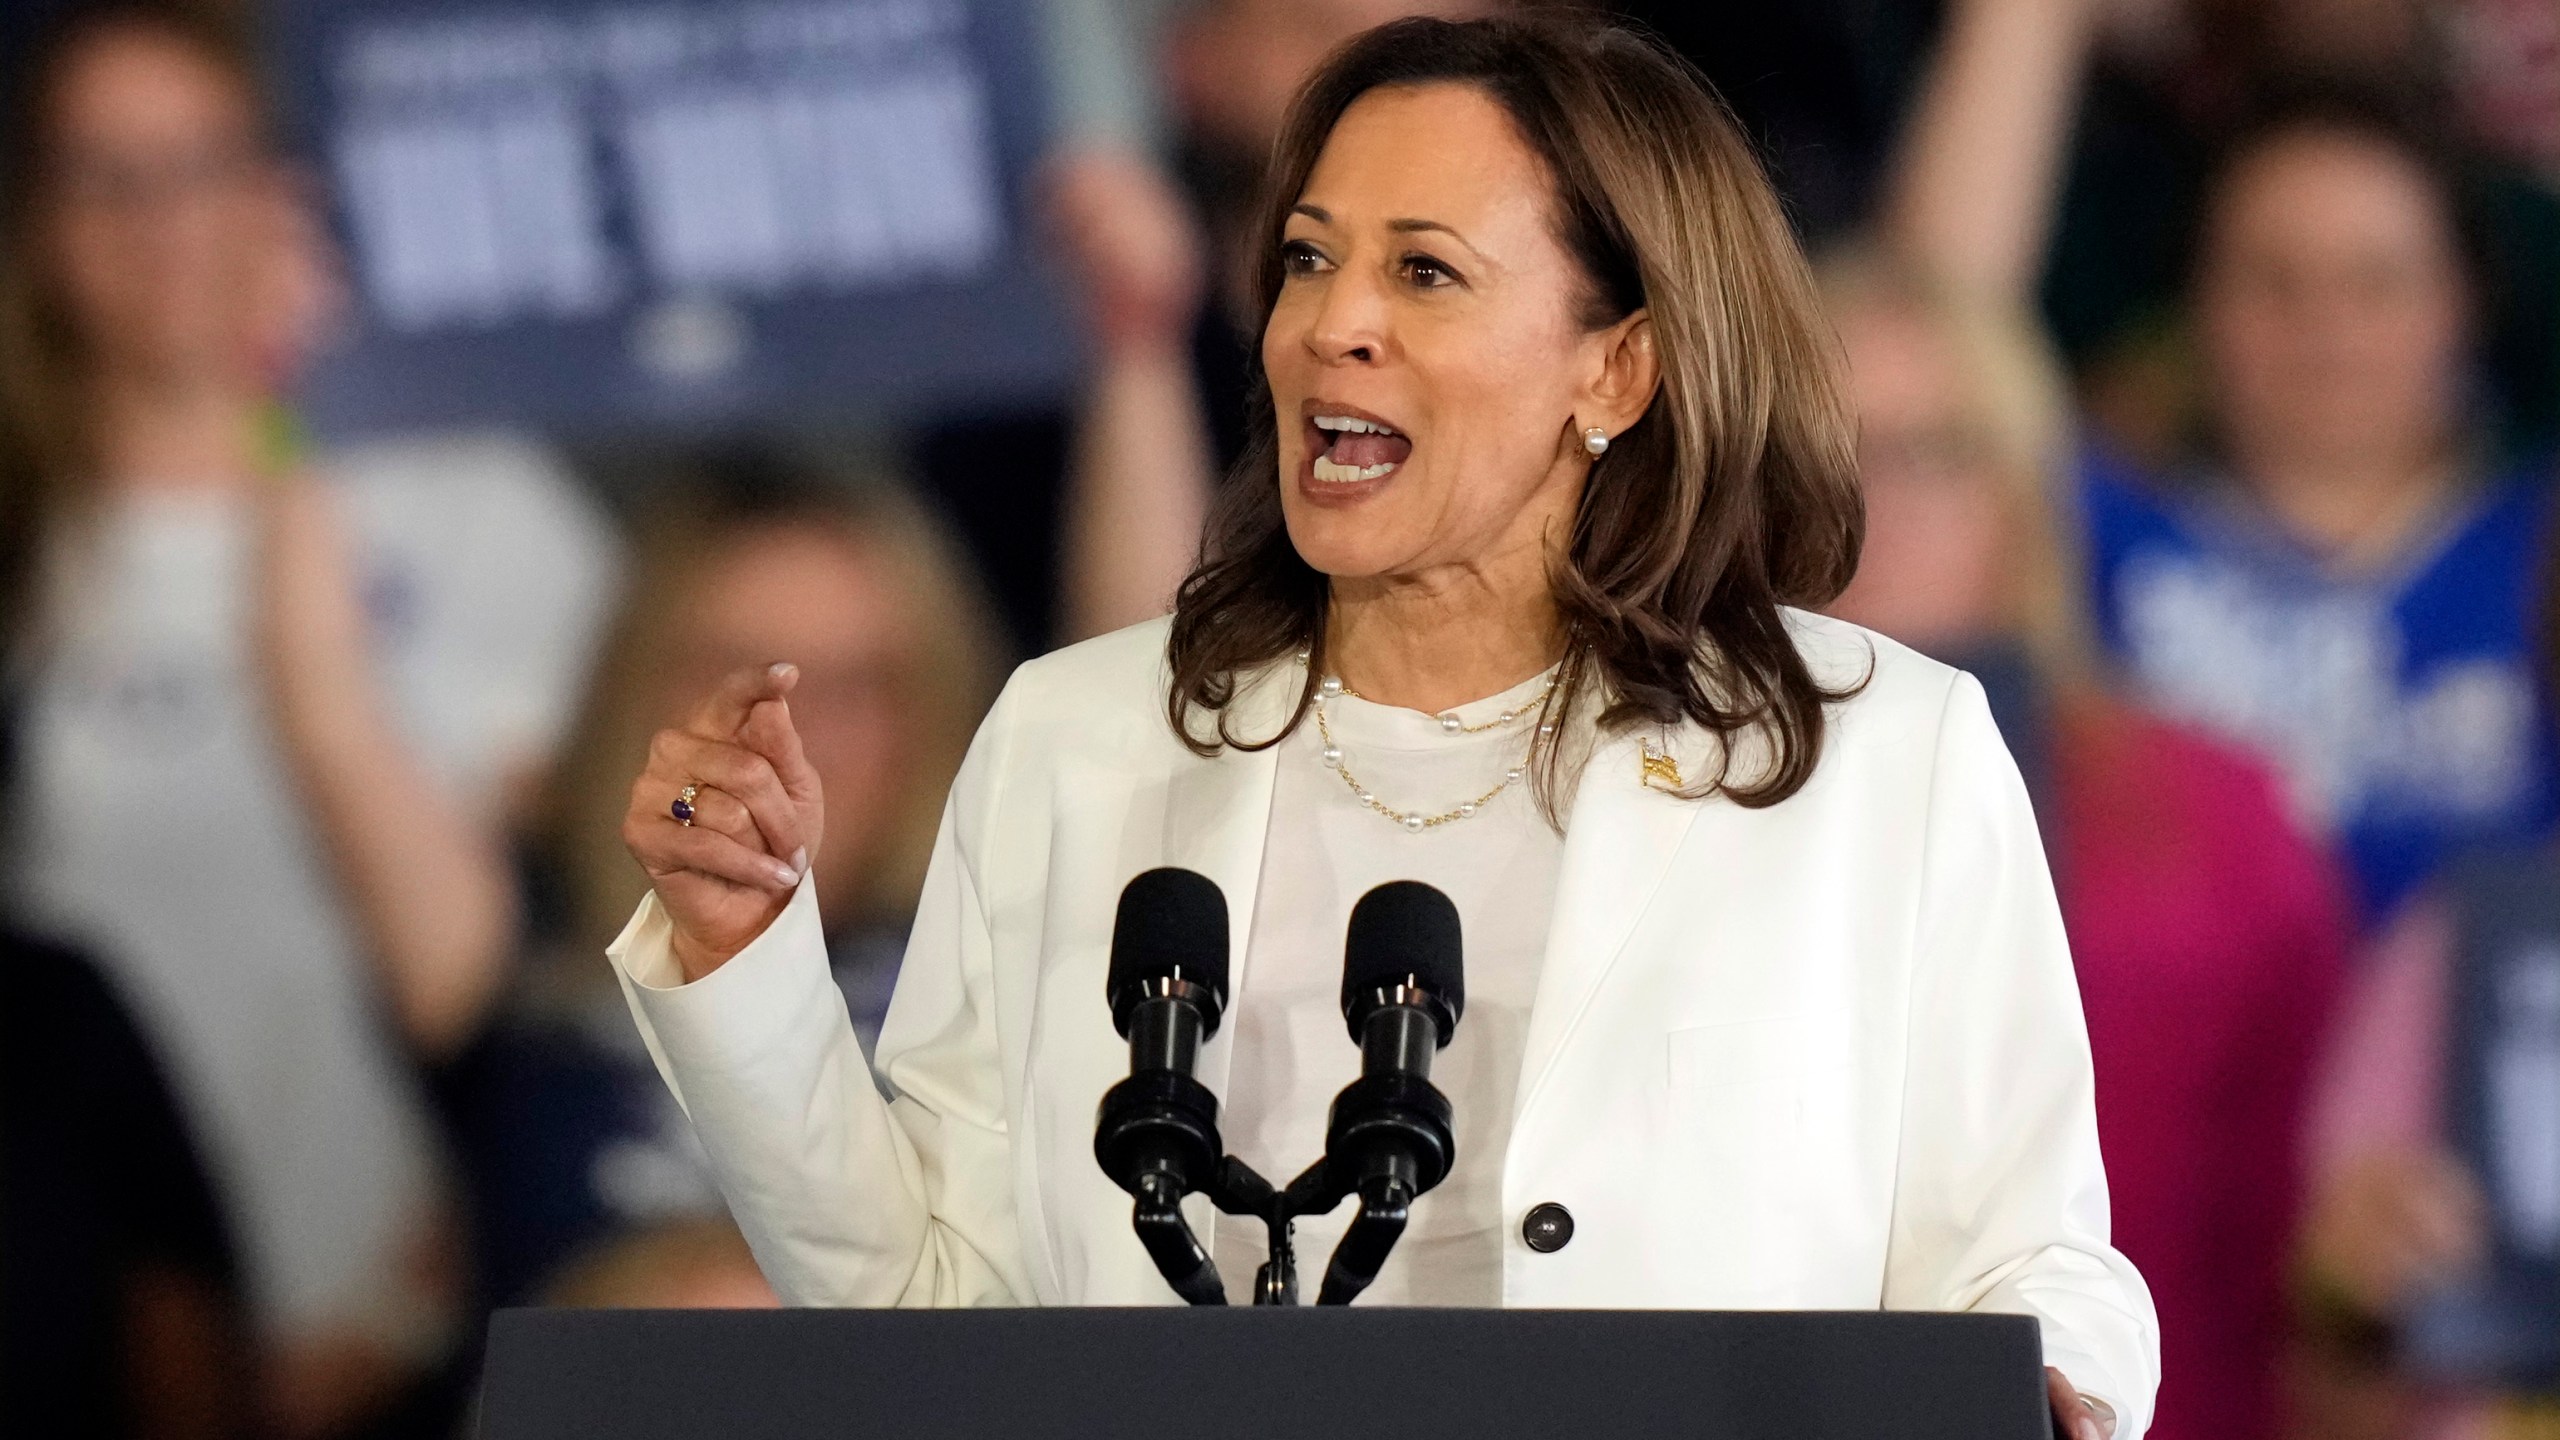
<point>1547,1228</point>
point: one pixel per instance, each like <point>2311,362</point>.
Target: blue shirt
<point>2402,706</point>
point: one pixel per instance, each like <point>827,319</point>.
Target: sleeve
<point>847,1198</point>
<point>2000,1200</point>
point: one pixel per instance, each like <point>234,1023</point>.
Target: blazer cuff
<point>740,1010</point>
<point>646,951</point>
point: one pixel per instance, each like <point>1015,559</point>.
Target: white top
<point>156,825</point>
<point>1292,1052</point>
<point>1819,1055</point>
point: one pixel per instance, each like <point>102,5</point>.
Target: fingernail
<point>799,863</point>
<point>783,670</point>
<point>786,877</point>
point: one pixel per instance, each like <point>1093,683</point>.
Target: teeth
<point>1349,425</point>
<point>1333,474</point>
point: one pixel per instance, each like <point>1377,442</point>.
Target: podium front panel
<point>1243,1374</point>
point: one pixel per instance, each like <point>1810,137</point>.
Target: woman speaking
<point>1769,1001</point>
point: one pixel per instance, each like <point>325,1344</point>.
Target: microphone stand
<point>1241,1191</point>
<point>1238,1189</point>
<point>1180,1257</point>
<point>1386,1206</point>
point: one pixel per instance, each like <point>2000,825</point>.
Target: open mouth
<point>1353,448</point>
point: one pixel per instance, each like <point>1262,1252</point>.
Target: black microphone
<point>1388,1139</point>
<point>1157,1133</point>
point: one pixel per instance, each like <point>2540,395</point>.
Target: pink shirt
<point>2209,936</point>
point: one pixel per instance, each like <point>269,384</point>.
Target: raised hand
<point>756,817</point>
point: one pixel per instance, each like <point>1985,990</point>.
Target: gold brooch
<point>1659,767</point>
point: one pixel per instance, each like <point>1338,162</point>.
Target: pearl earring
<point>1596,440</point>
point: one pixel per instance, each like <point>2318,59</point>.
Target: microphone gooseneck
<point>1156,1135</point>
<point>1389,1137</point>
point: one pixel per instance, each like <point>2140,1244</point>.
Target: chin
<point>1339,546</point>
<point>1349,537</point>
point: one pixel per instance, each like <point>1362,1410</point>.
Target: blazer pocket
<point>1737,1052</point>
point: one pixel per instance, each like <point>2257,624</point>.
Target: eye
<point>1427,272</point>
<point>1299,257</point>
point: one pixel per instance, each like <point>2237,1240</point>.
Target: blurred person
<point>121,1313</point>
<point>2338,571</point>
<point>2206,931</point>
<point>745,554</point>
<point>2400,1213</point>
<point>267,720</point>
<point>2170,83</point>
<point>2344,576</point>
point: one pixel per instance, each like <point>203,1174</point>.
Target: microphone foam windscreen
<point>1404,928</point>
<point>1171,922</point>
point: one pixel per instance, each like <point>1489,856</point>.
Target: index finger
<point>768,731</point>
<point>740,691</point>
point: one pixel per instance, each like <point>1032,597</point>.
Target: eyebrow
<point>1322,216</point>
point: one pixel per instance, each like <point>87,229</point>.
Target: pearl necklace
<point>1411,821</point>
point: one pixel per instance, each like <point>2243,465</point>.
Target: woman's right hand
<point>757,817</point>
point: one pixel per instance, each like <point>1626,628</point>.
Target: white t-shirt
<point>1291,1052</point>
<point>155,824</point>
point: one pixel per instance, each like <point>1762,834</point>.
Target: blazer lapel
<point>1620,837</point>
<point>1217,816</point>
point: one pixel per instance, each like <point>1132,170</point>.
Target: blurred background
<point>405,409</point>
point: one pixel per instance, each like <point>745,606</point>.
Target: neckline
<point>2232,509</point>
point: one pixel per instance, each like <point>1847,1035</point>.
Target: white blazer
<point>1822,1055</point>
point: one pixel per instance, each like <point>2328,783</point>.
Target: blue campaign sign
<point>674,214</point>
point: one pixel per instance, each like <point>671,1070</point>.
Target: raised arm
<point>423,870</point>
<point>1977,173</point>
<point>1138,476</point>
<point>845,1199</point>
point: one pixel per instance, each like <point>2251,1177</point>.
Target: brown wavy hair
<point>1735,494</point>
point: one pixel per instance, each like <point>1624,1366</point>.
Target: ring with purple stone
<point>683,808</point>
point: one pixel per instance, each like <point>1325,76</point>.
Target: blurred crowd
<point>2207,358</point>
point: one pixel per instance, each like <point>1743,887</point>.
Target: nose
<point>1349,326</point>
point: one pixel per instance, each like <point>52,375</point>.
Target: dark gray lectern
<point>1247,1374</point>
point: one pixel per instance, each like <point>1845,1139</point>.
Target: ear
<point>1625,373</point>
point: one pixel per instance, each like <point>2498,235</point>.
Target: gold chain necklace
<point>1415,822</point>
